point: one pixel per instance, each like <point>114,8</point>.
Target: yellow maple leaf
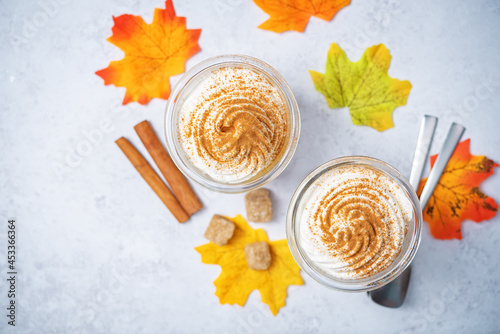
<point>237,280</point>
<point>363,86</point>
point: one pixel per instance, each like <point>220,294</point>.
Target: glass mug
<point>295,218</point>
<point>191,81</point>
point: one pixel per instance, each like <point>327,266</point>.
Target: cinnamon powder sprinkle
<point>235,125</point>
<point>359,220</point>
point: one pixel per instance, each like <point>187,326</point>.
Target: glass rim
<point>379,279</point>
<point>292,110</point>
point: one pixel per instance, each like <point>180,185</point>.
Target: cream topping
<point>233,125</point>
<point>354,222</point>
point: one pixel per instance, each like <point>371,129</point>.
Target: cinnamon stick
<point>177,181</point>
<point>149,175</point>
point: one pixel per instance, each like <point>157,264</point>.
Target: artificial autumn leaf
<point>457,195</point>
<point>295,14</point>
<point>363,86</point>
<point>153,53</point>
<point>237,280</point>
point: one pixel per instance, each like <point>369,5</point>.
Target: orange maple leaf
<point>294,14</point>
<point>457,196</point>
<point>153,53</point>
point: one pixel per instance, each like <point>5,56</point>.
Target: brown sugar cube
<point>259,206</point>
<point>258,255</point>
<point>219,230</point>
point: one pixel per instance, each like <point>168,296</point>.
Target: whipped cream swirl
<point>233,125</point>
<point>354,222</point>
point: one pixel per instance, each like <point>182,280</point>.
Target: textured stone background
<point>99,253</point>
